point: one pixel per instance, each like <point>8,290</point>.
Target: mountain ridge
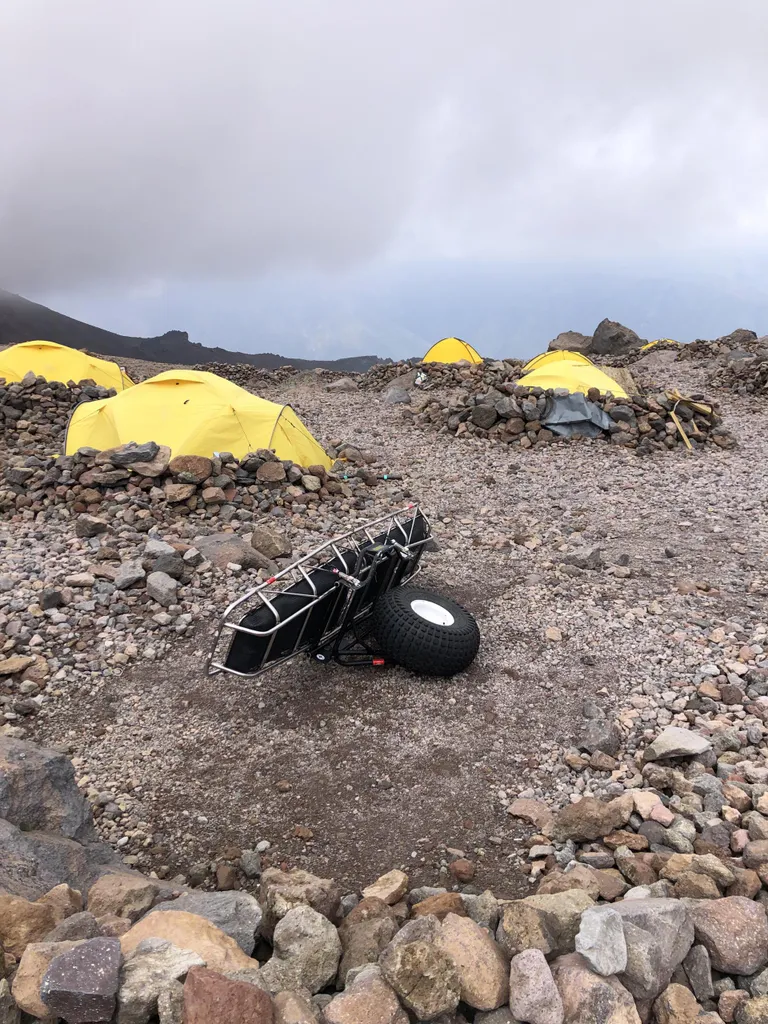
<point>24,320</point>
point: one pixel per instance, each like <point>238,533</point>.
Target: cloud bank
<point>180,140</point>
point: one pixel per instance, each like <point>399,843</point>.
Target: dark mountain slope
<point>22,320</point>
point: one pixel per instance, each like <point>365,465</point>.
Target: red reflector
<point>379,661</point>
<point>271,579</point>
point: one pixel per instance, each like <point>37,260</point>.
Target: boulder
<point>236,913</point>
<point>22,922</point>
<point>155,466</point>
<point>78,926</point>
<point>188,931</point>
<point>63,901</point>
<point>591,819</point>
<point>341,385</point>
<point>148,972</point>
<point>223,549</point>
<point>9,1011</point>
<point>307,951</point>
<point>734,931</point>
<point>38,791</point>
<point>162,588</point>
<point>209,996</point>
<point>272,472</point>
<point>270,542</point>
<point>396,396</point>
<point>89,526</point>
<point>580,876</point>
<point>131,453</point>
<point>422,974</point>
<point>571,341</point>
<point>170,1004</point>
<point>29,976</point>
<point>364,933</point>
<point>676,742</point>
<point>698,969</point>
<point>676,1005</point>
<point>753,1012</point>
<point>613,339</point>
<point>548,923</point>
<point>482,967</point>
<point>294,1008</point>
<point>176,493</point>
<point>191,469</point>
<point>536,812</point>
<point>128,574</point>
<point>368,1000</point>
<point>32,863</point>
<point>601,942</point>
<point>533,995</point>
<point>80,985</point>
<point>440,905</point>
<point>390,888</point>
<point>283,890</point>
<point>123,895</point>
<point>658,934</point>
<point>588,997</point>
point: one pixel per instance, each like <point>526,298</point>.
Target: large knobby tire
<point>425,632</point>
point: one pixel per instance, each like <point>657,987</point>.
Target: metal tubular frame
<point>399,536</point>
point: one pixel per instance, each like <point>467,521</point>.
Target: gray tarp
<point>568,415</point>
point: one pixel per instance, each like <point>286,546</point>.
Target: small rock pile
<point>473,377</point>
<point>516,416</point>
<point>34,412</point>
<point>744,376</point>
<point>738,340</point>
<point>137,480</point>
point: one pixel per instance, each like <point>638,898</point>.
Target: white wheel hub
<point>432,612</point>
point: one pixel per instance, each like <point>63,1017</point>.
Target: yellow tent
<point>194,413</point>
<point>571,376</point>
<point>452,350</point>
<point>555,357</point>
<point>58,362</point>
<point>659,341</point>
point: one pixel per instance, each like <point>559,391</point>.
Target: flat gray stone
<point>676,742</point>
<point>601,942</point>
<point>237,914</point>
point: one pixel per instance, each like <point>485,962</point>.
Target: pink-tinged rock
<point>662,815</point>
<point>645,801</point>
<point>210,997</point>
<point>368,1000</point>
<point>533,995</point>
<point>588,997</point>
<point>739,840</point>
<point>734,931</point>
<point>534,811</point>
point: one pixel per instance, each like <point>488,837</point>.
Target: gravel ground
<point>387,769</point>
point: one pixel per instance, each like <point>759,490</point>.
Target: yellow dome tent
<point>58,362</point>
<point>194,413</point>
<point>452,350</point>
<point>571,376</point>
<point>555,357</point>
<point>659,341</point>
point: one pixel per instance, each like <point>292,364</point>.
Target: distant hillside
<point>22,320</point>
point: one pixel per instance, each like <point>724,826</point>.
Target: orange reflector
<point>379,661</point>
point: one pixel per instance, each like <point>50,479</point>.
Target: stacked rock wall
<point>517,416</point>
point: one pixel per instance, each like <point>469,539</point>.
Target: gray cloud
<point>184,140</point>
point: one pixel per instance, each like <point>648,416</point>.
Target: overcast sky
<point>160,144</point>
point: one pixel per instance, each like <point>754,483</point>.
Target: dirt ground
<point>387,769</point>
